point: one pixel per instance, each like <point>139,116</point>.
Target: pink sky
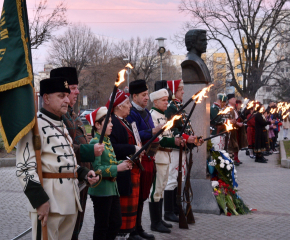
<point>121,19</point>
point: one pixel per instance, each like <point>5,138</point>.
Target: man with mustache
<point>139,114</point>
<point>56,203</point>
<point>84,151</point>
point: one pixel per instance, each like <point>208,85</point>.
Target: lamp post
<point>161,50</point>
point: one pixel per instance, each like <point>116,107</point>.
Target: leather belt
<point>59,175</point>
<point>164,149</point>
<point>112,179</point>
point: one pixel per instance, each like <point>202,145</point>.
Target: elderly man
<point>57,202</point>
<point>162,161</point>
<point>139,114</point>
<point>84,151</point>
<point>217,122</point>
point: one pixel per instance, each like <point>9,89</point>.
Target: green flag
<point>16,79</point>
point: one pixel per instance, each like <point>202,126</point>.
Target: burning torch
<point>119,80</point>
<point>229,127</point>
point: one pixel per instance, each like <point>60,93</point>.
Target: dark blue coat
<point>143,121</point>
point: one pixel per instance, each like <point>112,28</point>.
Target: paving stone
<point>264,187</point>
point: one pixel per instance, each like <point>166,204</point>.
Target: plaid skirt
<point>129,204</point>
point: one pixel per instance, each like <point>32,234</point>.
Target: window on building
<point>219,82</point>
<point>239,74</point>
<point>239,66</point>
<point>219,66</point>
<point>219,59</point>
<point>282,70</point>
<point>287,69</point>
<point>266,101</point>
<point>268,89</point>
<point>219,75</point>
<point>241,83</point>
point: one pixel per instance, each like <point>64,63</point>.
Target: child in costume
<point>105,196</point>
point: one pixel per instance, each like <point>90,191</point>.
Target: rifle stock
<point>182,219</point>
<point>187,189</point>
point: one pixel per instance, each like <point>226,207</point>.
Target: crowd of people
<point>256,128</point>
<point>74,167</point>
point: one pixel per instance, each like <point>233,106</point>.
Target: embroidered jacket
<point>107,162</point>
<point>83,150</point>
<point>56,156</point>
<point>166,139</point>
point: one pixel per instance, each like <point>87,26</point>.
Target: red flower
<point>229,214</point>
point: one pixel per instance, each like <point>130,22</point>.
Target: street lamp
<point>161,50</point>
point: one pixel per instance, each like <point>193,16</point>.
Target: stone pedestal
<point>203,199</point>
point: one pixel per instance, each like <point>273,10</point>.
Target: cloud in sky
<point>123,19</point>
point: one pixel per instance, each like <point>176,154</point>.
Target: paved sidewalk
<point>264,187</point>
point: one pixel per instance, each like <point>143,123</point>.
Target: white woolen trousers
<point>173,169</point>
<point>159,183</point>
<point>59,227</point>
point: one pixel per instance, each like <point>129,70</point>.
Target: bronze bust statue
<point>194,70</point>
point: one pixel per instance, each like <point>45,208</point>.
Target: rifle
<point>182,219</point>
<point>187,191</point>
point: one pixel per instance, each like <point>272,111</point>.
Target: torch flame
<point>250,104</point>
<point>129,65</point>
<point>226,110</point>
<point>228,125</point>
<point>257,105</point>
<point>121,75</point>
<point>286,115</point>
<point>169,124</point>
<point>273,110</point>
<point>262,110</point>
<point>201,94</point>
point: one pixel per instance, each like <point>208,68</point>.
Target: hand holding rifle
<point>178,141</point>
<point>42,212</point>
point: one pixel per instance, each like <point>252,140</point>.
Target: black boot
<point>169,206</point>
<point>156,224</point>
<point>260,159</point>
<point>176,208</point>
<point>134,236</point>
<point>168,225</point>
<point>144,234</point>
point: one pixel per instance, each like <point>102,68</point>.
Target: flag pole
<point>37,148</point>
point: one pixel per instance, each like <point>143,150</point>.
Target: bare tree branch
<point>43,25</point>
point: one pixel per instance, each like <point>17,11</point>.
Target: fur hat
<point>158,94</point>
<point>53,85</point>
<point>137,86</point>
<point>68,72</point>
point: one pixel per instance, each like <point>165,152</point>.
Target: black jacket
<point>119,139</point>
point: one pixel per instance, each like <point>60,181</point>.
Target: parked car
<point>83,116</point>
